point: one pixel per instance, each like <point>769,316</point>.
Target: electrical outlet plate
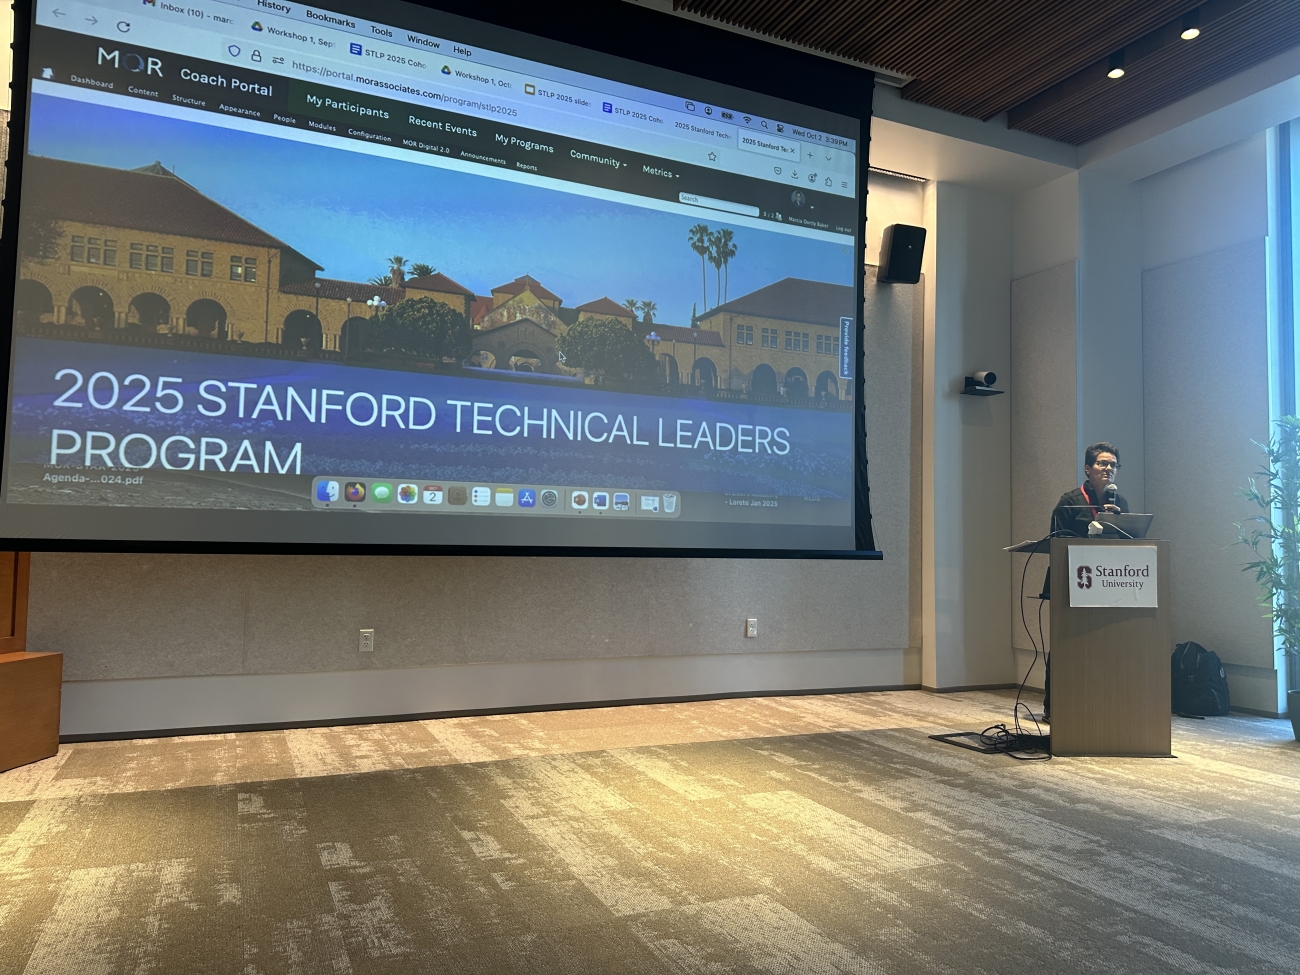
<point>751,627</point>
<point>367,641</point>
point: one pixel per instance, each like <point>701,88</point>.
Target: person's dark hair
<point>1090,455</point>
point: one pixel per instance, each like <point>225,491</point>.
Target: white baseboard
<point>119,708</point>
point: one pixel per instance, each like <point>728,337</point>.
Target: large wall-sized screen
<point>287,275</point>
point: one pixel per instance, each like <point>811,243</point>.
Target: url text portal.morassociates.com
<point>435,96</point>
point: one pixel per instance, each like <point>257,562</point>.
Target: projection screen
<point>383,277</point>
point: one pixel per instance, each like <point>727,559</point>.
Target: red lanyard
<point>1084,489</point>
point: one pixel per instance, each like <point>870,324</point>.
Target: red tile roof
<point>478,308</point>
<point>438,282</point>
<point>354,291</point>
<point>150,200</point>
<point>794,300</point>
<point>688,336</point>
<point>607,306</point>
<point>530,283</point>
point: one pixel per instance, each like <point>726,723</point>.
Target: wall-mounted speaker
<point>901,248</point>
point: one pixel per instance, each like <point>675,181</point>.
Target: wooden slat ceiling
<point>1043,62</point>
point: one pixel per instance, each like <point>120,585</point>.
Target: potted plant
<point>1274,536</point>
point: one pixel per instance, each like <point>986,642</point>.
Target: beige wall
<point>737,362</point>
<point>151,616</point>
<point>1206,397</point>
<point>249,306</point>
<point>1044,390</point>
<point>966,486</point>
<point>1043,425</point>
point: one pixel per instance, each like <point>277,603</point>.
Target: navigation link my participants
<point>343,106</point>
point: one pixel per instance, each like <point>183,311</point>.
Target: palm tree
<point>382,280</point>
<point>715,258</point>
<point>419,270</point>
<point>648,309</point>
<point>397,272</point>
<point>699,237</point>
<point>632,305</point>
<point>726,251</point>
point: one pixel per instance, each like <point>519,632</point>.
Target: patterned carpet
<point>783,835</point>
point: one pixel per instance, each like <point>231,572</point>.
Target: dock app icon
<point>327,490</point>
<point>354,491</point>
<point>433,494</point>
<point>481,496</point>
<point>407,494</point>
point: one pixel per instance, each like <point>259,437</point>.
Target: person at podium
<point>1079,507</point>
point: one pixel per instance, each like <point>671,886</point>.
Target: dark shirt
<point>1073,513</point>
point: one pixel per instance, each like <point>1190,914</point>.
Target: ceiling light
<point>1190,34</point>
<point>1191,26</point>
<point>897,175</point>
<point>1115,73</point>
<point>1116,65</point>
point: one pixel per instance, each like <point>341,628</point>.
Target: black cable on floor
<point>1020,744</point>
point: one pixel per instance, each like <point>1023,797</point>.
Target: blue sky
<point>349,212</point>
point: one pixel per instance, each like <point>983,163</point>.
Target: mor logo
<point>135,63</point>
<point>1084,577</point>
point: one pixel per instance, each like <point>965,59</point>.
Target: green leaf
<point>1274,535</point>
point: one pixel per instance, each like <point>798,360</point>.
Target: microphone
<point>1096,528</point>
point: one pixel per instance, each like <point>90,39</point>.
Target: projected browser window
<point>291,275</point>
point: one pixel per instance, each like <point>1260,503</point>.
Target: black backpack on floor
<point>1200,686</point>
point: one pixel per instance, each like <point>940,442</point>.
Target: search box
<point>712,204</point>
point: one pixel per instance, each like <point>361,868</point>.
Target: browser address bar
<point>290,63</point>
<point>438,75</point>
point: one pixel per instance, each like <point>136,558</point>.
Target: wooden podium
<point>1110,664</point>
<point>30,683</point>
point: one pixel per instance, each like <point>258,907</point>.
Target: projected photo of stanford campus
<point>201,252</point>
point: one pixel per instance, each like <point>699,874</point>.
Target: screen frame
<point>620,28</point>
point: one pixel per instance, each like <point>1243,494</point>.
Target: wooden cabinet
<point>30,683</point>
<point>15,568</point>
